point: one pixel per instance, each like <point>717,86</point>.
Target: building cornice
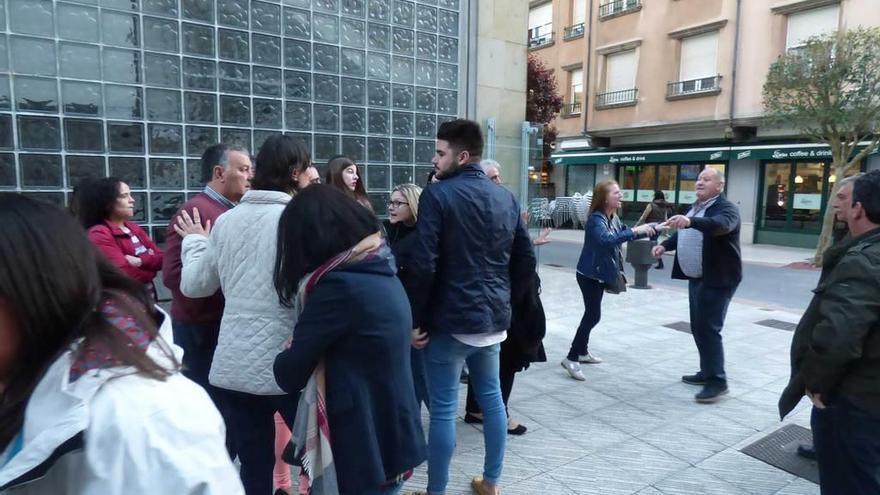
<point>801,5</point>
<point>689,31</point>
<point>619,47</point>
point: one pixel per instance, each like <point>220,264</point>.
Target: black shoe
<point>695,379</point>
<point>711,393</point>
<point>471,419</point>
<point>807,451</point>
<point>519,430</point>
<point>659,265</point>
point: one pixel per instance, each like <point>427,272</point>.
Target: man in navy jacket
<point>707,254</point>
<point>471,236</point>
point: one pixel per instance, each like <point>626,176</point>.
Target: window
<point>575,93</point>
<point>620,76</point>
<point>578,15</point>
<point>613,8</point>
<point>803,25</point>
<point>698,67</point>
<point>541,26</point>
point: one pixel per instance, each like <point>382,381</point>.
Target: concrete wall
<point>873,163</point>
<point>742,187</point>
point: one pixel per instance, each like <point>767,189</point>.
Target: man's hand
<point>186,225</point>
<point>817,399</point>
<point>657,251</point>
<point>133,260</point>
<point>419,338</point>
<point>678,222</point>
<point>543,237</point>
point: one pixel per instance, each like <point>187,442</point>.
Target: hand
<point>646,229</point>
<point>186,225</point>
<point>662,226</point>
<point>657,251</point>
<point>288,343</point>
<point>817,399</point>
<point>543,237</point>
<point>679,222</point>
<point>419,338</point>
<point>133,260</point>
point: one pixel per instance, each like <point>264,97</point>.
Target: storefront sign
<point>687,197</point>
<point>693,155</point>
<point>807,201</point>
<point>627,194</point>
<point>670,196</point>
<point>645,196</point>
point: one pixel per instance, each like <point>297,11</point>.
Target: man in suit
<point>708,257</point>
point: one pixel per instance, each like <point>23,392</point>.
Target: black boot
<point>659,264</point>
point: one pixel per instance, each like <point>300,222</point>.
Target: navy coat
<point>600,255</point>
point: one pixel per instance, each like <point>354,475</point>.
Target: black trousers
<point>592,291</point>
<point>847,440</point>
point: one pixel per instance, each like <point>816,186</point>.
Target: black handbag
<point>617,286</point>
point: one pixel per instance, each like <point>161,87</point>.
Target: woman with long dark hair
<point>350,347</point>
<point>657,211</point>
<point>92,401</point>
<point>342,172</point>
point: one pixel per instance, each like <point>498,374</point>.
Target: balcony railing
<point>574,31</point>
<point>625,97</point>
<point>541,36</point>
<point>571,109</point>
<point>703,85</point>
<point>618,7</point>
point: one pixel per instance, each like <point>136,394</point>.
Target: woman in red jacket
<point>105,208</point>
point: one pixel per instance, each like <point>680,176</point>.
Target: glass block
<point>331,6</point>
<point>80,168</point>
<point>83,135</point>
<point>297,23</point>
<point>305,138</point>
<point>80,61</point>
<point>379,202</point>
<point>402,151</point>
<point>354,147</point>
<point>164,105</point>
<point>447,76</point>
<point>267,82</point>
<point>326,88</point>
<point>326,118</point>
<point>401,175</point>
<point>297,84</point>
<point>194,174</point>
<point>267,113</point>
<point>379,122</point>
<point>447,49</point>
<point>4,58</point>
<point>378,176</point>
<point>426,73</point>
<point>199,74</point>
<point>166,173</point>
<point>41,171</point>
<point>426,125</point>
<point>379,66</point>
<point>298,3</point>
<point>120,29</point>
<point>200,107</point>
<point>402,69</point>
<point>378,37</point>
<point>404,13</point>
<point>449,4</point>
<point>55,199</point>
<point>426,18</point>
<point>379,10</point>
<point>325,28</point>
<point>354,91</point>
<point>266,49</point>
<point>80,22</point>
<point>404,124</point>
<point>426,99</point>
<point>424,151</point>
<point>125,137</point>
<point>326,58</point>
<point>353,33</point>
<point>297,54</point>
<point>402,97</point>
<point>7,170</point>
<point>119,4</point>
<point>198,40</point>
<point>140,213</point>
<point>6,140</point>
<point>353,62</point>
<point>232,13</point>
<point>265,17</point>
<point>157,233</point>
<point>161,7</point>
<point>123,66</point>
<point>441,119</point>
<point>422,173</point>
<point>233,45</point>
<point>33,56</point>
<point>378,94</point>
<point>326,146</point>
<point>162,70</point>
<point>161,35</point>
<point>378,150</point>
<point>298,115</point>
<point>130,169</point>
<point>164,205</point>
<point>36,94</point>
<point>235,78</point>
<point>235,110</point>
<point>404,41</point>
<point>354,8</point>
<point>123,102</point>
<point>426,45</point>
<point>198,139</point>
<point>198,10</point>
<point>166,139</point>
<point>447,102</point>
<point>447,22</point>
<point>354,120</point>
<point>32,17</point>
<point>236,137</point>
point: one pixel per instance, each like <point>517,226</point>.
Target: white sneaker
<point>589,359</point>
<point>573,369</point>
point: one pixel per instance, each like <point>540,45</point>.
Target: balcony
<point>572,32</point>
<point>616,8</point>
<point>541,37</point>
<point>571,109</point>
<point>614,99</point>
<point>678,90</point>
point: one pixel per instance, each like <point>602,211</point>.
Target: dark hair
<point>334,177</point>
<point>95,199</point>
<point>279,157</point>
<point>318,223</point>
<point>462,135</point>
<point>53,280</point>
<point>431,175</point>
<point>866,190</point>
<point>215,155</point>
<point>659,195</point>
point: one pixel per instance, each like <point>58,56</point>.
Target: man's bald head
<point>710,183</point>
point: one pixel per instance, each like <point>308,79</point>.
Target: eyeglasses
<point>397,204</point>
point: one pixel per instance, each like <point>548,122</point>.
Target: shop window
<point>776,179</point>
<point>807,201</point>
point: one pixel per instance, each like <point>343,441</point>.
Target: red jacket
<point>115,244</point>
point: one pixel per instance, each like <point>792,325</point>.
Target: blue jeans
<point>387,490</point>
<point>420,376</point>
<point>847,440</point>
<point>708,308</point>
<point>445,357</point>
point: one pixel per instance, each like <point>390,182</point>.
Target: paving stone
<point>693,481</point>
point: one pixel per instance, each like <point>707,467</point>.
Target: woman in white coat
<point>239,257</point>
<point>92,401</point>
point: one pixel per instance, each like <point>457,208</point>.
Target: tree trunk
<point>840,171</point>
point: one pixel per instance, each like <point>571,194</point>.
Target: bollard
<point>638,254</point>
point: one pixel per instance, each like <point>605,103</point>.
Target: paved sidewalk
<point>633,427</point>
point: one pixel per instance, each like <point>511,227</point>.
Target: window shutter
<point>578,11</point>
<point>699,57</point>
<point>541,16</point>
<point>620,73</point>
<point>577,86</point>
<point>803,25</point>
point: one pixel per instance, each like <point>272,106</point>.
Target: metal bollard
<point>638,254</point>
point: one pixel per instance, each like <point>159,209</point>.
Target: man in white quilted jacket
<point>237,255</point>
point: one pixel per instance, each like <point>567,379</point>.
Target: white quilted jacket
<point>239,257</point>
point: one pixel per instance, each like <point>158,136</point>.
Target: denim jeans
<point>592,292</point>
<point>708,308</point>
<point>386,490</point>
<point>420,376</point>
<point>847,440</point>
<point>445,357</point>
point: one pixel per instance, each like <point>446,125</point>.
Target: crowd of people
<point>305,332</point>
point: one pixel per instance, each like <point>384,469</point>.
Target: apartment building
<point>673,86</point>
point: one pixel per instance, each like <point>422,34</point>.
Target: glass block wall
<point>138,88</point>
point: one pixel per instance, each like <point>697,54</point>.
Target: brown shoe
<point>482,488</point>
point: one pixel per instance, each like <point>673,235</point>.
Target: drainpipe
<point>588,81</point>
<point>734,66</point>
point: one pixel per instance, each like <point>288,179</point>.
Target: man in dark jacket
<point>707,255</point>
<point>835,351</point>
<point>471,238</point>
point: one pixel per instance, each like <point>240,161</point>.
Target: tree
<point>829,90</point>
<point>543,101</point>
